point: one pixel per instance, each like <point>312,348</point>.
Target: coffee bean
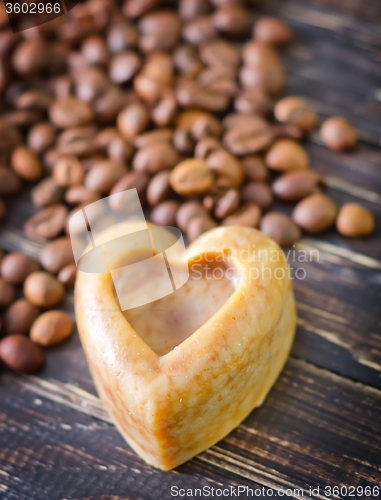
<point>31,56</point>
<point>15,267</point>
<point>104,175</point>
<point>183,141</point>
<point>199,31</point>
<point>122,35</point>
<point>355,220</point>
<point>160,30</point>
<point>9,181</point>
<point>109,104</point>
<point>227,168</point>
<point>94,50</point>
<point>80,195</point>
<point>281,228</point>
<point>296,185</point>
<point>296,111</point>
<point>206,146</point>
<point>285,155</point>
<point>26,164</point>
<point>258,193</point>
<point>70,112</point>
<point>135,8</point>
<point>34,99</point>
<point>68,171</point>
<point>338,134</point>
<point>43,289</point>
<point>227,204</point>
<point>156,157</point>
<point>47,192</point>
<point>68,274</point>
<point>77,141</point>
<point>191,177</point>
<point>132,121</point>
<point>248,215</point>
<point>124,66</point>
<point>188,211</point>
<point>232,20</point>
<point>158,188</point>
<point>273,31</point>
<point>254,101</point>
<point>7,293</point>
<point>41,137</point>
<point>220,52</point>
<point>51,328</point>
<point>19,317</point>
<point>187,60</point>
<point>191,95</point>
<point>48,223</point>
<point>158,135</point>
<point>56,254</point>
<point>165,213</point>
<point>165,111</point>
<point>20,354</point>
<point>131,180</point>
<point>199,225</point>
<point>315,214</point>
<point>254,168</point>
<point>192,9</point>
<point>248,138</point>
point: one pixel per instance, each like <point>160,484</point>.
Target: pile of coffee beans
<point>174,98</point>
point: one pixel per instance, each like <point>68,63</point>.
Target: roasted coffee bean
<point>68,274</point>
<point>7,293</point>
<point>273,31</point>
<point>120,150</point>
<point>191,95</point>
<point>68,171</point>
<point>227,204</point>
<point>131,180</point>
<point>94,50</point>
<point>187,61</point>
<point>158,188</point>
<point>135,8</point>
<point>77,141</point>
<point>121,36</point>
<point>90,83</point>
<point>226,167</point>
<point>31,56</point>
<point>34,99</point>
<point>285,155</point>
<point>109,104</point>
<point>48,223</point>
<point>192,9</point>
<point>165,111</point>
<point>124,66</point>
<point>155,76</point>
<point>19,317</point>
<point>156,157</point>
<point>201,124</point>
<point>355,220</point>
<point>41,137</point>
<point>70,112</point>
<point>51,328</point>
<point>160,30</point>
<point>248,138</point>
<point>254,168</point>
<point>248,215</point>
<point>104,175</point>
<point>81,195</point>
<point>164,213</point>
<point>26,164</point>
<point>47,192</point>
<point>254,101</point>
<point>296,111</point>
<point>20,354</point>
<point>132,121</point>
<point>199,225</point>
<point>206,146</point>
<point>56,254</point>
<point>183,141</point>
<point>220,53</point>
<point>9,181</point>
<point>219,80</point>
<point>158,135</point>
<point>258,193</point>
<point>188,211</point>
<point>281,228</point>
<point>315,214</point>
<point>232,20</point>
<point>296,185</point>
<point>15,267</point>
<point>338,134</point>
<point>191,177</point>
<point>43,289</point>
<point>288,130</point>
<point>199,31</point>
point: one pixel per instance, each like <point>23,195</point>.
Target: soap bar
<point>180,373</point>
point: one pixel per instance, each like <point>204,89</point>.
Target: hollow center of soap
<point>165,323</point>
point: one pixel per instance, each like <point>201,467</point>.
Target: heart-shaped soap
<point>179,374</point>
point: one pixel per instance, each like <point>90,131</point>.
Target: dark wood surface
<point>321,424</point>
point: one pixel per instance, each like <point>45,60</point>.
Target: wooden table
<point>321,424</point>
